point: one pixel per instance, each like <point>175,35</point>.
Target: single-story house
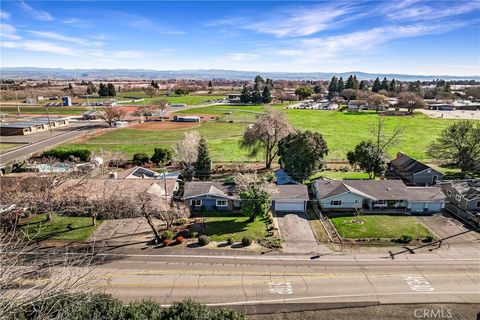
<point>464,195</point>
<point>348,195</point>
<point>414,172</point>
<point>208,195</point>
<point>356,105</point>
<point>281,178</point>
<point>291,198</point>
<point>211,196</point>
<point>33,125</point>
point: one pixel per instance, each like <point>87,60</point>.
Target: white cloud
<point>42,46</point>
<point>7,31</point>
<point>34,13</point>
<point>424,11</point>
<point>4,15</point>
<point>57,36</point>
<point>242,56</point>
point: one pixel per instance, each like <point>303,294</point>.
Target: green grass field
<point>60,228</point>
<point>380,226</point>
<point>41,110</point>
<point>187,99</point>
<point>341,130</point>
<point>219,226</point>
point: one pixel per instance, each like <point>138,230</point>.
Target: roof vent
<point>389,188</point>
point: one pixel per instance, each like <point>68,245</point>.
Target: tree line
<point>259,93</point>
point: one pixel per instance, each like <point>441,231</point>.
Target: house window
<point>458,198</point>
<point>196,203</point>
<point>478,204</point>
<point>222,203</point>
<point>449,192</point>
<point>336,202</point>
<point>381,202</point>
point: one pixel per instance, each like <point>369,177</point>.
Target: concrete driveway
<point>296,234</point>
<point>444,225</point>
<point>123,231</point>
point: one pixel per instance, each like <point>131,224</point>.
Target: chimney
<point>400,155</point>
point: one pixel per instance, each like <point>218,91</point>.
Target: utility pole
<point>48,117</point>
<point>18,105</point>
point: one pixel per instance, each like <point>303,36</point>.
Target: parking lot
<point>454,114</point>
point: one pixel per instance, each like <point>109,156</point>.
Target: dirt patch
<point>129,109</point>
<point>165,125</point>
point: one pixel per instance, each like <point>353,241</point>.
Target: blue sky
<point>402,36</point>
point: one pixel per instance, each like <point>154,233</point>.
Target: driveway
<point>444,225</point>
<point>123,231</point>
<point>296,234</point>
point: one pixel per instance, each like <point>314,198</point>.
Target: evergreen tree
<point>102,90</point>
<point>415,87</point>
<point>70,87</point>
<point>377,86</point>
<point>111,92</point>
<point>355,83</point>
<point>258,83</point>
<point>363,85</point>
<point>266,95</point>
<point>210,84</point>
<point>91,89</point>
<point>447,87</point>
<point>384,85</point>
<point>393,86</point>
<point>340,85</point>
<point>349,84</point>
<point>332,86</point>
<point>203,166</point>
<point>245,95</point>
<point>256,96</point>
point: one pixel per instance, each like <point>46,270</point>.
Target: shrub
<point>180,239</point>
<point>193,234</point>
<point>63,155</point>
<point>181,221</point>
<point>167,242</point>
<point>161,156</point>
<point>140,158</point>
<point>428,239</point>
<point>189,309</point>
<point>144,309</point>
<point>405,238</point>
<point>270,243</point>
<point>167,235</point>
<point>246,241</point>
<point>230,241</point>
<point>203,240</point>
<point>186,233</point>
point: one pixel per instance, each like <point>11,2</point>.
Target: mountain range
<point>103,74</point>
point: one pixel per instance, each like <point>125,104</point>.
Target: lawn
<point>60,228</point>
<point>340,175</point>
<point>219,226</point>
<point>341,130</point>
<point>380,226</point>
<point>41,110</point>
<point>187,99</point>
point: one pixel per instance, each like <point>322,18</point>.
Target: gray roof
<point>31,123</point>
<point>289,192</point>
<point>281,177</point>
<point>378,190</point>
<point>469,189</point>
<point>408,165</point>
<point>220,189</point>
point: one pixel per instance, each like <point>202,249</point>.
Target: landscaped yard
<point>219,226</point>
<point>60,228</point>
<point>380,226</point>
<point>341,130</point>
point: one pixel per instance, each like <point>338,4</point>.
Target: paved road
<point>279,280</point>
<point>49,142</point>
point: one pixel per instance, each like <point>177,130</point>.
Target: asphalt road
<point>283,281</point>
<point>25,152</point>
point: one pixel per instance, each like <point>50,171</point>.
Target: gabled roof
<point>404,163</point>
<point>281,178</point>
<point>289,192</point>
<point>469,189</point>
<point>203,188</point>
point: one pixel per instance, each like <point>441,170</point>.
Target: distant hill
<point>58,73</point>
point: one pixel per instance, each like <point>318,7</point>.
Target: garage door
<point>417,206</point>
<point>289,206</point>
<point>434,207</point>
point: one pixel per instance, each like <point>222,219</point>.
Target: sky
<point>401,36</point>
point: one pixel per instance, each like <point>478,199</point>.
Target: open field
<point>60,228</point>
<point>341,130</point>
<point>380,226</point>
<point>187,99</point>
<point>41,110</point>
<point>220,226</point>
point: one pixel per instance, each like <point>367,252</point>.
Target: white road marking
<point>281,287</point>
<point>419,283</point>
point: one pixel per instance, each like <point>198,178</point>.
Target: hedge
<point>63,155</point>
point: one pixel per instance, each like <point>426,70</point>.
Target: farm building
<point>186,118</point>
<point>32,126</point>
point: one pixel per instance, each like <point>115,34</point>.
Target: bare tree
<point>377,101</point>
<point>265,134</point>
<point>151,91</point>
<point>382,140</point>
<point>144,111</point>
<point>410,101</point>
<point>111,114</point>
<point>161,105</point>
<point>186,151</point>
<point>349,94</point>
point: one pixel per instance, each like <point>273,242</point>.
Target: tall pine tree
<point>266,95</point>
<point>356,86</point>
<point>384,85</point>
<point>111,92</point>
<point>332,86</point>
<point>341,85</point>
<point>245,95</point>
<point>377,86</point>
<point>203,166</point>
<point>349,84</point>
<point>393,86</point>
<point>363,85</point>
<point>102,90</point>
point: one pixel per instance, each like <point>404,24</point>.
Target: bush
<point>405,238</point>
<point>63,155</point>
<point>246,241</point>
<point>139,158</point>
<point>161,156</point>
<point>186,233</point>
<point>193,234</point>
<point>230,241</point>
<point>181,221</point>
<point>142,310</point>
<point>203,240</point>
<point>189,309</point>
<point>167,242</point>
<point>428,239</point>
<point>167,235</point>
<point>270,243</point>
<point>180,239</point>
